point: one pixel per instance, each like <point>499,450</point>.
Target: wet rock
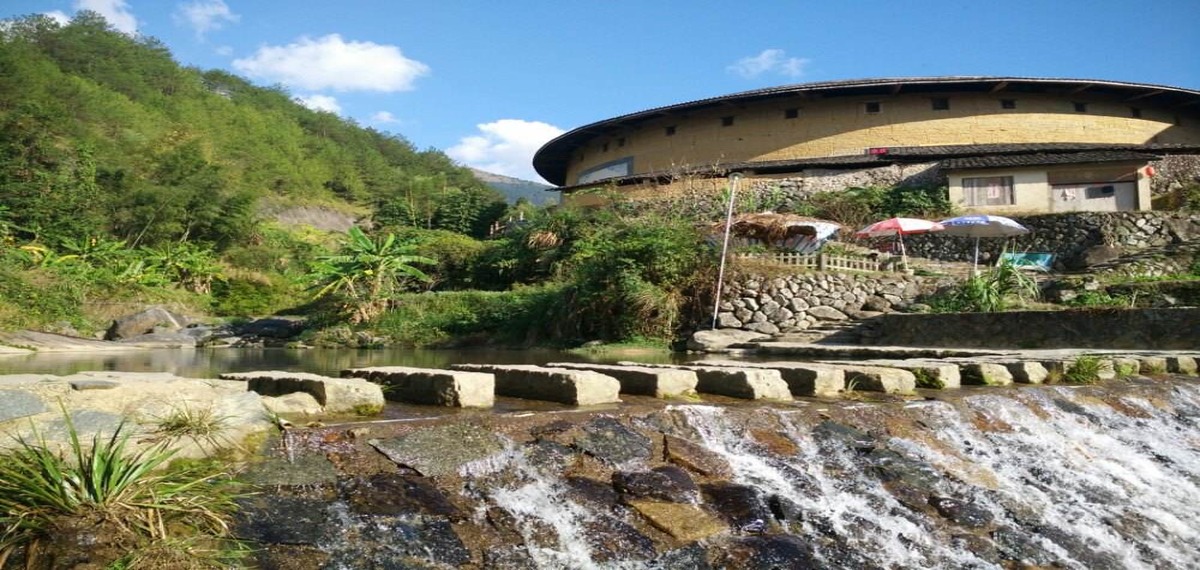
<point>589,491</point>
<point>276,519</point>
<point>672,486</point>
<point>440,449</point>
<point>893,466</point>
<point>549,455</point>
<point>695,457</point>
<point>844,436</point>
<point>784,509</point>
<point>964,513</point>
<point>19,404</point>
<point>399,543</point>
<point>767,552</point>
<point>682,521</point>
<point>741,505</point>
<point>271,327</point>
<point>1019,546</point>
<point>690,557</point>
<point>304,470</point>
<point>608,440</point>
<point>395,494</point>
<point>612,540</point>
<point>290,557</point>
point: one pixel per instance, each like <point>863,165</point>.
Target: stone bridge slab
<point>563,385</point>
<point>431,386</point>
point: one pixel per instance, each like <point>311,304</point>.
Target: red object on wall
<point>1149,171</point>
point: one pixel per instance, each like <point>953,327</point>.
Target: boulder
<point>1027,372</point>
<point>572,387</point>
<point>151,320</point>
<point>986,374</point>
<point>644,380</point>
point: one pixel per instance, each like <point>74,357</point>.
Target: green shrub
<point>1085,370</point>
<point>131,499</point>
<point>521,316</point>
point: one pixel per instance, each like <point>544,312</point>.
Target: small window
<point>604,147</point>
<point>621,142</point>
<point>1178,121</point>
<point>1135,112</point>
<point>872,107</point>
<point>791,113</point>
<point>671,131</point>
<point>1080,107</point>
<point>988,191</point>
<point>727,121</point>
<point>940,103</point>
<point>1008,103</point>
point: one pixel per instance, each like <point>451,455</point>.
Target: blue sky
<point>488,82</point>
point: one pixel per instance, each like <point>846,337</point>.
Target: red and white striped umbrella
<point>900,227</point>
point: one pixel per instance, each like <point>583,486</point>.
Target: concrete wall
<point>1039,189</point>
<point>1159,329</point>
<point>841,126</point>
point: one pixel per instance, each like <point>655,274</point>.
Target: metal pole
<point>734,179</point>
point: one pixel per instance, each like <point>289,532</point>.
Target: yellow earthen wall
<point>841,127</point>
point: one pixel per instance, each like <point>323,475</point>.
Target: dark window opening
<point>1080,107</point>
<point>621,142</point>
<point>1135,112</point>
<point>604,147</point>
<point>872,107</point>
<point>727,121</point>
<point>1008,103</point>
<point>940,103</point>
<point>791,113</point>
<point>671,130</point>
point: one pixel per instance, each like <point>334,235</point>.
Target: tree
<point>367,273</point>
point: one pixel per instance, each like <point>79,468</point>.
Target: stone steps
<point>872,369</point>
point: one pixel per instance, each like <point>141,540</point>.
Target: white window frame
<point>989,191</point>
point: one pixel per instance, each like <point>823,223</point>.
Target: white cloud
<point>224,50</point>
<point>320,103</point>
<point>384,117</point>
<point>59,16</point>
<point>332,63</point>
<point>773,61</point>
<point>116,12</point>
<point>205,16</point>
<point>505,147</point>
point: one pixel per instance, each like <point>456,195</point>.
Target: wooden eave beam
<point>1001,86</point>
<point>1081,88</point>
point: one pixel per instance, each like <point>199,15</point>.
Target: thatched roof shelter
<point>780,230</point>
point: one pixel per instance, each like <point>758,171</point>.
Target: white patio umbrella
<point>981,226</point>
<point>899,227</point>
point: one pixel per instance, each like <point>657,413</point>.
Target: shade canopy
<point>982,226</point>
<point>899,227</point>
<point>789,231</point>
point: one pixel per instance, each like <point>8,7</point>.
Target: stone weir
<point>1098,476</point>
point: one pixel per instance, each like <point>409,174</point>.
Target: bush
<point>1085,370</point>
<point>123,500</point>
<point>522,316</point>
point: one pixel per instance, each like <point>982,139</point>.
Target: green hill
<point>106,135</point>
<point>514,189</point>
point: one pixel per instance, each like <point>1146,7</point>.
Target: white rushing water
<point>1056,477</point>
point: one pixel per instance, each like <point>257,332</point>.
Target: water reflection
<point>208,363</point>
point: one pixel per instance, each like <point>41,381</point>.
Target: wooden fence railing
<point>820,261</point>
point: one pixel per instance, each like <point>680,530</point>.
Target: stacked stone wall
<point>1073,237</point>
<point>801,301</point>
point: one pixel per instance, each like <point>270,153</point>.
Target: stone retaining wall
<point>1160,329</point>
<point>1074,238</point>
<point>807,300</point>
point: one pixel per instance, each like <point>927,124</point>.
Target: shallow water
<point>210,362</point>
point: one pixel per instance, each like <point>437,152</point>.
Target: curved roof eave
<point>552,158</point>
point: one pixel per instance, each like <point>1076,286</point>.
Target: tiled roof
<point>1046,158</point>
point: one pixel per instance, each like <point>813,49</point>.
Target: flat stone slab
<point>336,395</point>
<point>880,379</point>
<point>746,383</point>
<point>19,404</point>
<point>935,374</point>
<point>432,386</point>
<point>1027,372</point>
<point>644,380</point>
<point>441,449</point>
<point>803,378</point>
<point>986,374</point>
<point>563,385</point>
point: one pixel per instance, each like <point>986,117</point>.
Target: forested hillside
<point>104,135</point>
